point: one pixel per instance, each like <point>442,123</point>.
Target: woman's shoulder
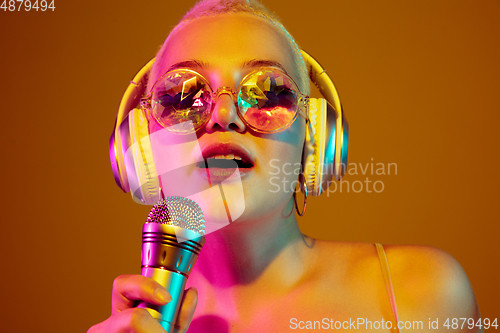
<point>428,282</point>
<point>433,278</point>
<point>408,263</point>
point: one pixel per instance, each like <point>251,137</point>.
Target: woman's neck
<point>243,253</point>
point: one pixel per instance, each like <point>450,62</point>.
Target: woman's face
<point>224,49</point>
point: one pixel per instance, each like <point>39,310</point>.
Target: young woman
<point>261,273</point>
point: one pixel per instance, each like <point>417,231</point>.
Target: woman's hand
<point>127,290</point>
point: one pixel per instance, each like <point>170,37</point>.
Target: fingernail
<point>162,295</point>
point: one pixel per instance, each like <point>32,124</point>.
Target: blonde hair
<point>216,7</point>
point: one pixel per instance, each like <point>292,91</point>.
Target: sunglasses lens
<point>268,100</point>
<point>179,97</point>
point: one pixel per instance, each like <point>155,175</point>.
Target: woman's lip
<point>223,148</point>
<point>219,175</point>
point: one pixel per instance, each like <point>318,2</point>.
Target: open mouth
<point>229,161</point>
<point>221,160</point>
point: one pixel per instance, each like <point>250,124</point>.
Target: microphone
<point>172,238</point>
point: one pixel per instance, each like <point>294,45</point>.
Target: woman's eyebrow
<point>187,64</point>
<point>264,63</point>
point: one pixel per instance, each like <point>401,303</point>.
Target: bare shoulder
<point>430,283</point>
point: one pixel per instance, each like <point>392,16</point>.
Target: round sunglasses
<point>267,99</point>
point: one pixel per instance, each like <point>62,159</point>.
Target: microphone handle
<point>168,256</point>
<point>175,283</point>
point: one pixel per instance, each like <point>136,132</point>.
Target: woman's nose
<point>225,116</point>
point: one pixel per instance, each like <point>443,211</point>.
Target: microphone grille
<point>178,211</point>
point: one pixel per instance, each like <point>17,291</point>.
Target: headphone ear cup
<point>138,158</point>
<point>344,148</point>
<point>116,159</point>
<point>334,165</point>
<point>314,146</point>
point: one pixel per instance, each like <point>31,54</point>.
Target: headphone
<point>324,155</point>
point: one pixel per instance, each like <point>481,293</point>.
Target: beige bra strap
<point>387,279</point>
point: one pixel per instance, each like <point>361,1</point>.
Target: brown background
<point>419,83</point>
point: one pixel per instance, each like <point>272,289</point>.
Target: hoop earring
<point>303,186</point>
